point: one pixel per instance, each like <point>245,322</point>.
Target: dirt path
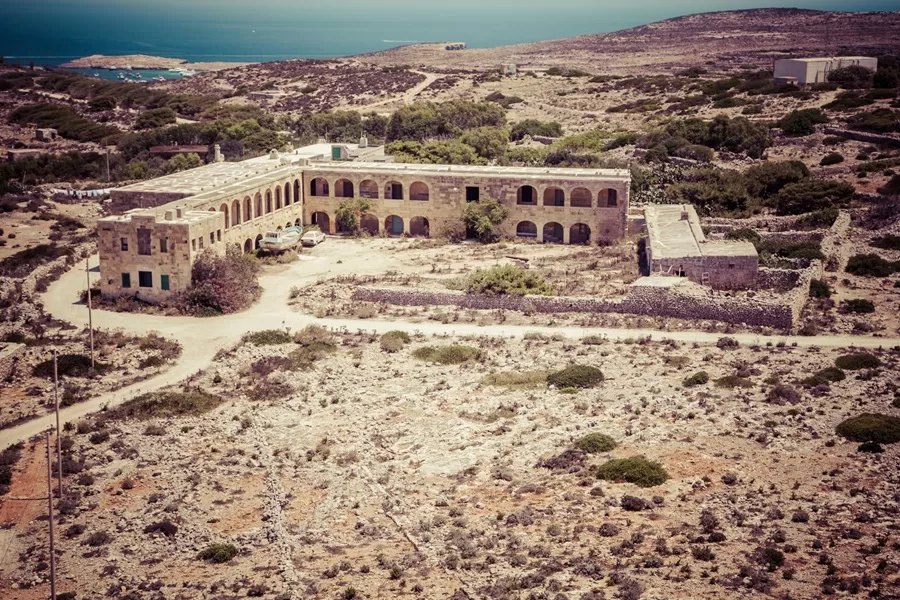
<point>407,98</point>
<point>203,338</point>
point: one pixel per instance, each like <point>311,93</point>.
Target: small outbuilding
<point>803,71</point>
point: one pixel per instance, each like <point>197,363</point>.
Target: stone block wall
<point>722,272</point>
<point>642,300</point>
<point>122,201</point>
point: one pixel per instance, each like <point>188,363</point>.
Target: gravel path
<point>203,338</point>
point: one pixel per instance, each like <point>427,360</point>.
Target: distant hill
<point>729,38</point>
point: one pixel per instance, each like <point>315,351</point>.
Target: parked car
<point>312,238</point>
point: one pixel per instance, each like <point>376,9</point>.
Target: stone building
<point>803,71</point>
<point>148,250</point>
<point>677,246</point>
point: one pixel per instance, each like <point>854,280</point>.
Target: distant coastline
<point>144,62</point>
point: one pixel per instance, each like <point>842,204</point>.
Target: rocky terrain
<point>340,466</point>
<point>143,61</point>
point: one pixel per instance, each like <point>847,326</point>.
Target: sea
<point>51,32</point>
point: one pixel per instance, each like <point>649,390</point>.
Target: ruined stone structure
<point>167,222</point>
<point>677,246</point>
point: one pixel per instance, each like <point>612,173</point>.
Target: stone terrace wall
<point>643,300</point>
<point>777,279</point>
<point>9,357</point>
<point>861,136</point>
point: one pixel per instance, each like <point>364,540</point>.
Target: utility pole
<point>87,270</point>
<point>58,430</point>
<point>50,520</point>
<point>107,164</point>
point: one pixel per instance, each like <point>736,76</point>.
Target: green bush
<point>576,376</point>
<point>801,122</point>
<point>454,354</point>
<point>857,306</point>
<point>871,265</point>
<point>781,393</point>
<point>811,195</point>
<point>155,117</point>
<point>69,123</point>
<point>733,381</point>
<point>533,127</point>
<point>699,378</point>
<point>218,553</point>
<point>832,158</point>
<point>594,443</point>
<point>69,365</point>
<point>832,374</point>
<point>221,284</point>
<point>891,188</point>
<point>267,337</point>
<point>165,405</point>
<point>767,179</point>
<point>887,242</point>
<point>507,280</point>
<point>482,218</point>
<point>880,120</point>
<point>394,341</point>
<point>871,427</point>
<point>820,219</point>
<point>819,289</point>
<point>857,361</point>
<point>853,76</point>
<point>636,469</point>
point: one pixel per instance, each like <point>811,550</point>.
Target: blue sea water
<point>53,31</point>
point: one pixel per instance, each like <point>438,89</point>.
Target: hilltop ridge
<point>730,36</point>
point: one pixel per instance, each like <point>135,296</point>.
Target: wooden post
<point>50,521</point>
<point>87,269</point>
<point>58,430</point>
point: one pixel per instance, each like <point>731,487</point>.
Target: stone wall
<point>777,279</point>
<point>9,358</point>
<point>862,136</point>
<point>432,201</point>
<point>121,201</point>
<point>721,272</point>
<point>642,300</point>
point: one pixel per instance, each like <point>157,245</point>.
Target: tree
<point>183,162</point>
<point>349,213</point>
<point>534,127</point>
<point>801,122</point>
<point>812,194</point>
<point>489,142</point>
<point>852,77</point>
<point>222,284</point>
<point>767,179</point>
<point>482,218</point>
<point>155,117</point>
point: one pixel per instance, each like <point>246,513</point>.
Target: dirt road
<point>203,338</point>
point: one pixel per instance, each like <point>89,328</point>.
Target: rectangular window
<point>193,244</point>
<point>143,237</point>
<point>164,282</point>
<point>145,279</point>
<point>126,280</point>
<point>473,193</point>
<point>219,235</point>
<point>124,244</point>
<point>559,197</point>
<point>212,238</point>
<point>163,245</point>
<point>200,242</point>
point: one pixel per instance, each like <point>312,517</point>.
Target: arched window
<point>419,227</point>
<point>418,191</point>
<point>368,189</point>
<point>608,197</point>
<point>277,197</point>
<point>318,187</point>
<point>526,229</point>
<point>527,195</point>
<point>581,198</point>
<point>224,209</point>
<point>268,201</point>
<point>258,206</point>
<point>553,196</point>
<point>369,223</point>
<point>236,212</point>
<point>553,233</point>
<point>248,209</point>
<point>579,233</point>
<point>393,190</point>
<point>343,188</point>
<point>287,194</point>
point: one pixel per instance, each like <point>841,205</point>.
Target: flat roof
<point>825,58</point>
<point>674,232</point>
<point>203,179</point>
<point>461,170</point>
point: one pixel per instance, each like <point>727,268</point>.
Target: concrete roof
<point>674,232</point>
<point>481,171</point>
<point>205,178</point>
<point>826,58</point>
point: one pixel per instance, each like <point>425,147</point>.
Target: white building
<point>803,71</point>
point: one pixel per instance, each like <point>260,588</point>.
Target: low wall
<point>777,279</point>
<point>9,358</point>
<point>862,136</point>
<point>650,301</point>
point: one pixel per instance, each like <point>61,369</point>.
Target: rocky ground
<point>368,474</point>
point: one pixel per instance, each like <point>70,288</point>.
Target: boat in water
<point>279,241</point>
